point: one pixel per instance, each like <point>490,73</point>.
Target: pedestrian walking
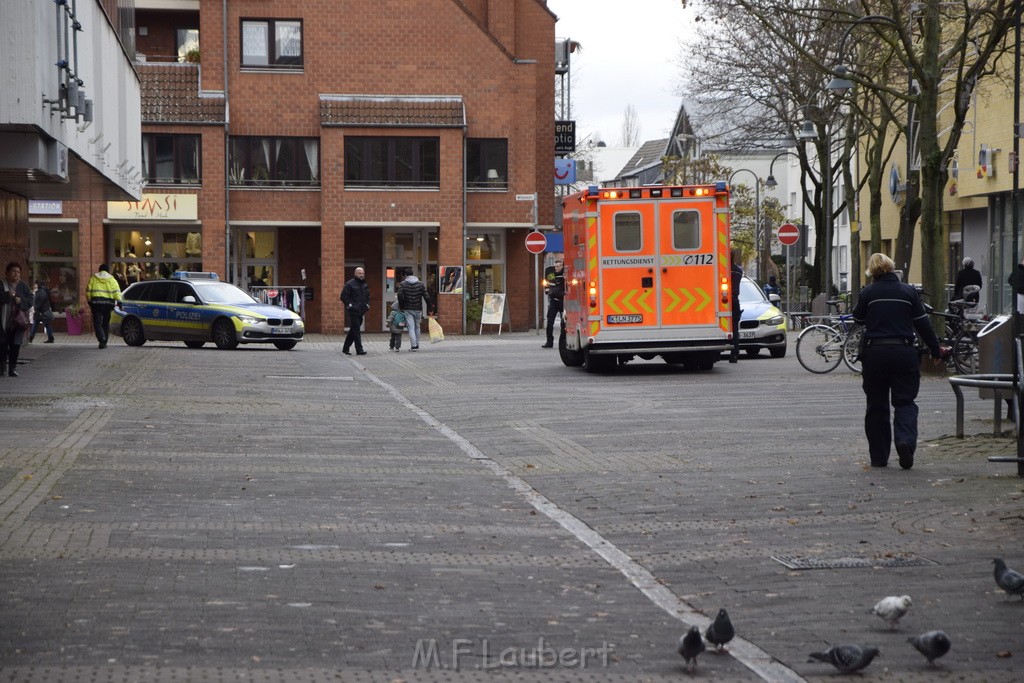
<point>772,287</point>
<point>43,313</point>
<point>554,287</point>
<point>967,276</point>
<point>412,298</point>
<point>15,303</point>
<point>890,312</point>
<point>356,296</point>
<point>736,271</point>
<point>102,293</point>
<point>397,327</point>
<point>1016,279</point>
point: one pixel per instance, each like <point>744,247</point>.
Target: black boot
<point>11,372</point>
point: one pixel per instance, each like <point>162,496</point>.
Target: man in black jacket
<point>356,295</point>
<point>412,297</point>
<point>555,286</point>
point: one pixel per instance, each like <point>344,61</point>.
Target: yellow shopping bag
<point>436,331</point>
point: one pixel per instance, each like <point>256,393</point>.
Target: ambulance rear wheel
<point>224,334</point>
<point>700,361</point>
<point>570,358</point>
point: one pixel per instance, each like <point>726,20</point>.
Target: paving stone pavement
<point>169,514</point>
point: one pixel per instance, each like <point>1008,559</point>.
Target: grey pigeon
<point>932,645</point>
<point>721,631</point>
<point>1009,580</point>
<point>892,608</point>
<point>691,645</point>
<point>846,658</point>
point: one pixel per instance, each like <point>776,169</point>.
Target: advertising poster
<point>493,309</point>
<point>451,280</point>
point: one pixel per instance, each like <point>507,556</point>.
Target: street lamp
<point>757,221</point>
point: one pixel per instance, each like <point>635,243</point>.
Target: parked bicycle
<point>822,346</point>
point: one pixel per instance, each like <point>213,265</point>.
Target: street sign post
<point>788,234</point>
<point>536,242</point>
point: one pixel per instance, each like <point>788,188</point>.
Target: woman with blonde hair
<point>891,312</point>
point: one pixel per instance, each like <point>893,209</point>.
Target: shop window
<point>487,164</point>
<point>274,161</point>
<point>171,159</point>
<point>627,232</point>
<point>53,262</point>
<point>685,230</point>
<point>151,254</point>
<point>392,162</point>
<point>271,43</point>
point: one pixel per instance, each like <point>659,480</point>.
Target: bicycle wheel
<point>819,348</point>
<point>851,348</point>
<point>965,353</point>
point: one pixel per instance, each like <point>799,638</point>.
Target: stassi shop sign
<point>157,207</point>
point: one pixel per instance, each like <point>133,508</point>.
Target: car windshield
<point>223,293</point>
<point>750,292</point>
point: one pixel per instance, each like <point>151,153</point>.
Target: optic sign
<point>565,137</point>
<point>788,234</point>
<point>565,171</point>
<point>536,242</point>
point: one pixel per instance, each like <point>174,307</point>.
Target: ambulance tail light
<point>593,294</point>
<point>725,290</point>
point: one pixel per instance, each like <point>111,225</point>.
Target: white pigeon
<point>892,608</point>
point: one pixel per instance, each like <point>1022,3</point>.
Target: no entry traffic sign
<point>536,242</point>
<point>789,234</point>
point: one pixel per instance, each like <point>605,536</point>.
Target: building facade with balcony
<point>286,143</point>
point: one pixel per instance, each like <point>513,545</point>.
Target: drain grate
<point>888,561</point>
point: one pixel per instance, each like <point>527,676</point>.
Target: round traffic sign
<point>789,234</point>
<point>536,242</point>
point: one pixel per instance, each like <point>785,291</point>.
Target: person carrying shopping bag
<point>412,298</point>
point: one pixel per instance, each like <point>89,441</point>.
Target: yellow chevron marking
<point>594,327</point>
<point>690,298</point>
<point>675,300</point>
<point>593,264</point>
<point>591,241</point>
<point>705,302</point>
<point>672,260</point>
<point>642,301</point>
<point>610,301</point>
<point>627,301</point>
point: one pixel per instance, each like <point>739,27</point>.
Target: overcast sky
<point>629,56</point>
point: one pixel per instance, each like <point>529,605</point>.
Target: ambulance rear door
<point>688,263</point>
<point>628,256</point>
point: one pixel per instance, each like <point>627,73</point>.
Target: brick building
<point>288,142</point>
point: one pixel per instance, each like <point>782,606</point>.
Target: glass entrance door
<point>402,251</point>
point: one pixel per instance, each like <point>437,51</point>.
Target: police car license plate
<point>279,330</point>
<point>625,319</point>
<point>746,335</point>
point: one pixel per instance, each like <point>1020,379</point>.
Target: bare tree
<point>630,127</point>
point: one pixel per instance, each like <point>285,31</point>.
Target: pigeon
<point>691,645</point>
<point>1009,580</point>
<point>721,631</point>
<point>892,608</point>
<point>846,658</point>
<point>932,645</point>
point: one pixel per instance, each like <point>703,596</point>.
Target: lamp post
<point>771,182</point>
<point>762,267</point>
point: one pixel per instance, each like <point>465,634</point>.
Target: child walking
<point>396,324</point>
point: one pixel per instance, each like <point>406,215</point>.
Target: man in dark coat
<point>736,272</point>
<point>356,296</point>
<point>967,276</point>
<point>412,298</point>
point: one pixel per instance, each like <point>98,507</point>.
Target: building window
<point>392,162</point>
<point>146,254</point>
<point>487,164</point>
<point>627,232</point>
<point>685,230</point>
<point>280,162</point>
<point>272,43</point>
<point>54,263</point>
<point>171,159</point>
<point>485,266</point>
<point>187,40</point>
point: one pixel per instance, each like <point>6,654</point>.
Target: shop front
<point>153,237</point>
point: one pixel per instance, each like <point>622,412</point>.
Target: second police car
<point>197,308</point>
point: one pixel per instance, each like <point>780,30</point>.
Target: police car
<point>197,308</point>
<point>762,325</point>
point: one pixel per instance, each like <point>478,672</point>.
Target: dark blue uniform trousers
<point>890,371</point>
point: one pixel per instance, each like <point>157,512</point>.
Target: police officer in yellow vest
<point>102,293</point>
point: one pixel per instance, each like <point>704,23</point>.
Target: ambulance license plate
<point>625,319</point>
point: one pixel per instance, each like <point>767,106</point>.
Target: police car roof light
<point>194,275</point>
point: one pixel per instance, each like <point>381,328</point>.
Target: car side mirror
<point>775,299</point>
<point>188,299</point>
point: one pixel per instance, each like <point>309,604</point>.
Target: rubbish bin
<point>995,353</point>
